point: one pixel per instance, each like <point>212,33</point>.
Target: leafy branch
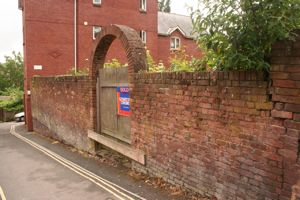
<point>239,35</point>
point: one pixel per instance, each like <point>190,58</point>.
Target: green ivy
<point>238,35</point>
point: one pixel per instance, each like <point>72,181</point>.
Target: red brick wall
<point>233,135</point>
<point>61,108</point>
<point>208,132</point>
<point>164,52</point>
<point>285,90</point>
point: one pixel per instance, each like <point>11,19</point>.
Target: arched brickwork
<point>135,50</point>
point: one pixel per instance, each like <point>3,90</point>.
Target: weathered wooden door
<point>110,121</point>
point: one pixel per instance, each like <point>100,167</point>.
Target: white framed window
<point>97,2</point>
<point>96,30</point>
<point>143,35</point>
<point>175,43</point>
<point>143,5</point>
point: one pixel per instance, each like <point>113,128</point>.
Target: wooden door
<point>110,121</point>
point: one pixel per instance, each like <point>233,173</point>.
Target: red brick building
<point>59,35</point>
<point>174,32</point>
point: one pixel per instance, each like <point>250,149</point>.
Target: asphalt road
<point>34,168</point>
<point>27,174</point>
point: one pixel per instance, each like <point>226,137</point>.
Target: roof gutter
<point>168,35</point>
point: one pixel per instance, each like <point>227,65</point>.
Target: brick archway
<point>135,50</point>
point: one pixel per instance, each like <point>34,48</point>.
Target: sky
<point>181,6</point>
<point>11,38</point>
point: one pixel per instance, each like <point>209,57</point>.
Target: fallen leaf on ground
<point>175,191</point>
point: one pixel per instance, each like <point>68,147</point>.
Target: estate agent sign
<point>123,101</point>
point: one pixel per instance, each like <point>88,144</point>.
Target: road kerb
<point>112,188</point>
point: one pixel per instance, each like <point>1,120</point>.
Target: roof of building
<point>169,22</point>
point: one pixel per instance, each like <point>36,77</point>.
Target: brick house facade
<point>59,35</point>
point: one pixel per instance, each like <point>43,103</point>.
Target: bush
<point>152,66</point>
<point>15,102</point>
<point>239,34</point>
<point>114,63</point>
<point>180,61</point>
<point>79,72</point>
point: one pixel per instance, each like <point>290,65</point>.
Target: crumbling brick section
<point>285,90</point>
<point>61,108</point>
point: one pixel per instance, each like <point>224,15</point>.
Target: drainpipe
<point>75,36</point>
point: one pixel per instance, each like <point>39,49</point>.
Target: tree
<point>11,82</point>
<point>11,72</point>
<point>239,34</point>
<point>164,6</point>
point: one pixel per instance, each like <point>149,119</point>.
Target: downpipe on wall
<point>75,36</point>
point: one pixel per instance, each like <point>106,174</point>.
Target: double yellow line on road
<point>2,196</point>
<point>110,187</point>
